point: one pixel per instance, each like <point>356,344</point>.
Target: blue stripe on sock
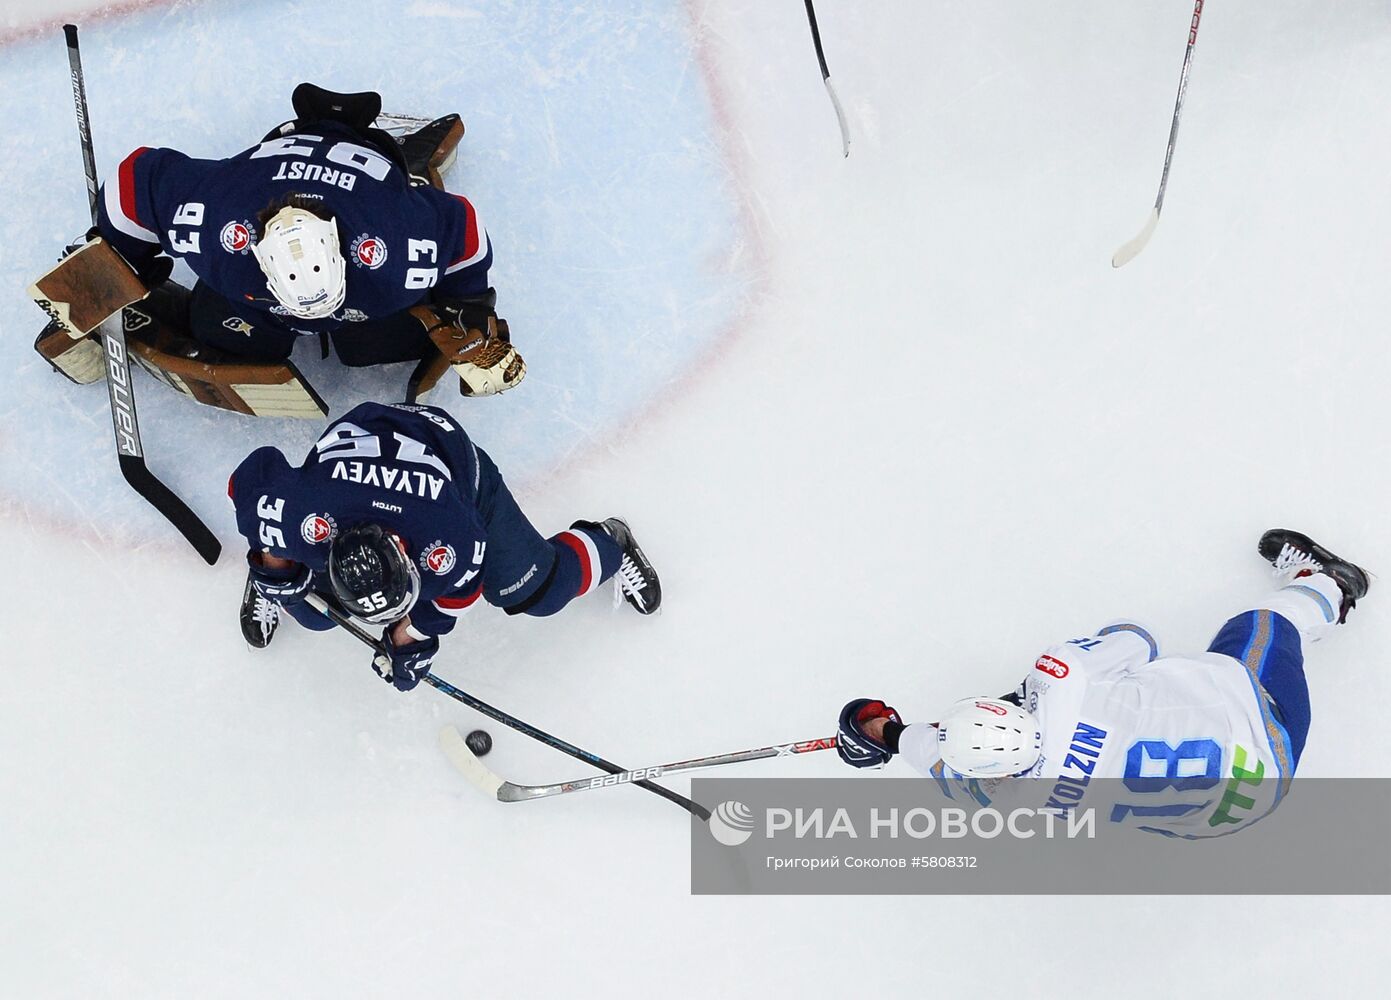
<point>1319,599</point>
<point>1132,627</point>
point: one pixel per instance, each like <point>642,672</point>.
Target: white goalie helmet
<point>299,254</point>
<point>989,738</point>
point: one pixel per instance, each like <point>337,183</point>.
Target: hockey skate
<point>259,617</point>
<point>1294,555</point>
<point>636,581</point>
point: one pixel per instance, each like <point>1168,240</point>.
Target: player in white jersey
<point>1202,744</point>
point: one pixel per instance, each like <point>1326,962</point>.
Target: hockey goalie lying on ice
<point>329,226</point>
<point>1207,743</point>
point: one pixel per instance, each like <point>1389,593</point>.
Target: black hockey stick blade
<point>164,500</point>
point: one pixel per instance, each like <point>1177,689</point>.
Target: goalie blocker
<point>93,284</point>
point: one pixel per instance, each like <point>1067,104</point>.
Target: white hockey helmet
<point>989,738</point>
<point>300,255</point>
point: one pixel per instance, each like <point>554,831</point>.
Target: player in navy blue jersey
<point>328,225</point>
<point>403,521</point>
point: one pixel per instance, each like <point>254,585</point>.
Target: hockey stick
<point>130,453</point>
<point>826,78</point>
<point>496,714</point>
<point>1128,252</point>
<point>476,771</point>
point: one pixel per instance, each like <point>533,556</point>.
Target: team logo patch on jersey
<point>236,237</point>
<point>354,315</point>
<point>317,528</point>
<point>238,325</point>
<point>438,558</point>
<point>1051,666</point>
<point>368,251</point>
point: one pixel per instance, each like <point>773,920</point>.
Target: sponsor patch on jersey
<point>317,528</point>
<point>368,251</point>
<point>1051,666</point>
<point>438,558</point>
<point>235,237</point>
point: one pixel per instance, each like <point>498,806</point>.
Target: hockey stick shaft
<point>826,79</point>
<point>1128,252</point>
<point>497,715</point>
<point>816,40</point>
<point>130,452</point>
<point>508,791</point>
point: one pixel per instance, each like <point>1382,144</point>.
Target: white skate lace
<point>628,580</point>
<point>1291,561</point>
<point>265,613</point>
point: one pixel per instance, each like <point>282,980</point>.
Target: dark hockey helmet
<point>371,574</point>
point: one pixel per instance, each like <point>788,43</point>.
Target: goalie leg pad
<point>79,361</point>
<point>431,150</point>
<point>255,388</point>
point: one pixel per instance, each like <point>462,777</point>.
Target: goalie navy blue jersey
<point>402,245</point>
<point>411,469</point>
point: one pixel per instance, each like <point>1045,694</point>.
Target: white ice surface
<point>904,427</point>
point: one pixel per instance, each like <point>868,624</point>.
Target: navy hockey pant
<point>523,573</point>
<point>1268,646</point>
<point>246,333</point>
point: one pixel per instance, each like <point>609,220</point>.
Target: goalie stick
<point>1132,249</point>
<point>496,714</point>
<point>478,773</point>
<point>130,453</point>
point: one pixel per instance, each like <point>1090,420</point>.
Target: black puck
<point>478,742</point>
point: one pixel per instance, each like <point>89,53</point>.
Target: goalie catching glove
<point>477,345</point>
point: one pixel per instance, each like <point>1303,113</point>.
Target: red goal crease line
<point>50,22</point>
